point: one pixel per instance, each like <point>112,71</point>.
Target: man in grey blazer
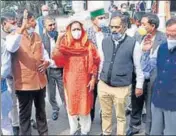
<point>147,34</point>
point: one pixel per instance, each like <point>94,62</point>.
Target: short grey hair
<point>48,18</point>
<point>171,22</point>
<point>123,18</point>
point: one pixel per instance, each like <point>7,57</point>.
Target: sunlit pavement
<point>61,125</point>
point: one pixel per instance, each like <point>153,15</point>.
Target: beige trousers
<point>109,96</point>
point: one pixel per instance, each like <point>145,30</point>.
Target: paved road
<point>61,126</point>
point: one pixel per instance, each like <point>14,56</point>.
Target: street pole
<point>162,15</point>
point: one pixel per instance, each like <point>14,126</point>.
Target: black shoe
<point>127,112</point>
<point>92,117</point>
<point>130,132</point>
<point>55,115</point>
<point>144,118</point>
<point>16,131</point>
<point>92,114</point>
<point>33,124</point>
<point>78,119</point>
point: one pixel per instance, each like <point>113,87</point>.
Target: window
<point>173,6</point>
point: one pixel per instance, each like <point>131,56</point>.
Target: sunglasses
<point>52,24</point>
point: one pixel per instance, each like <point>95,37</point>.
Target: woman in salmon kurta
<point>80,60</point>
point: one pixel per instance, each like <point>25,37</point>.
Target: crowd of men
<point>127,63</point>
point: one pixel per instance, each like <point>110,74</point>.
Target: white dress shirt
<point>5,61</point>
<point>137,53</point>
<point>131,31</point>
<point>52,46</point>
<point>99,39</point>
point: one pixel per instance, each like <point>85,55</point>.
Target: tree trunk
<point>58,3</point>
<point>28,5</point>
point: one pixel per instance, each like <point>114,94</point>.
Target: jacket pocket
<point>121,74</point>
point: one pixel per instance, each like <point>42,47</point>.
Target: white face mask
<point>30,31</point>
<point>12,28</point>
<point>45,13</point>
<point>124,10</point>
<point>171,44</point>
<point>102,23</point>
<point>76,34</point>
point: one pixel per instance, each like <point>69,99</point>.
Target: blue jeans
<point>6,103</point>
<point>6,106</point>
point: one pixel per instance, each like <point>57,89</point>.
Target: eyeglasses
<point>116,27</point>
<point>52,24</point>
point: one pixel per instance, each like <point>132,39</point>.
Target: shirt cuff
<point>139,85</point>
<point>51,63</point>
<point>12,42</point>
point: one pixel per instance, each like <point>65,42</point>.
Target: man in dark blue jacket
<point>164,89</point>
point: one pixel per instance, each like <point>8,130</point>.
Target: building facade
<point>164,9</point>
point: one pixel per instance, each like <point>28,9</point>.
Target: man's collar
<point>3,34</point>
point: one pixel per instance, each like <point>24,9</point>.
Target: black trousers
<point>137,107</point>
<point>26,99</point>
<point>92,113</point>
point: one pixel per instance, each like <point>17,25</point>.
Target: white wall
<point>92,5</point>
<point>118,3</point>
<point>78,6</point>
<point>106,5</point>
